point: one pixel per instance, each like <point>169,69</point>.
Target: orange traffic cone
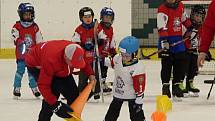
<point>158,116</point>
<point>78,105</point>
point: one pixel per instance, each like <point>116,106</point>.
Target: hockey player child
<point>129,82</point>
<point>170,17</point>
<point>52,64</point>
<point>197,17</point>
<point>208,32</point>
<point>107,46</point>
<point>84,35</point>
<point>25,33</point>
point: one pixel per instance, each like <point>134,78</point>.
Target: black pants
<point>177,62</point>
<point>65,86</point>
<point>136,111</point>
<point>192,67</point>
<point>83,79</point>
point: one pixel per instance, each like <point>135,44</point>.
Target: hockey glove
<point>101,41</point>
<point>61,109</point>
<point>208,57</point>
<point>89,45</point>
<point>165,48</point>
<point>139,99</point>
<point>165,44</point>
<point>138,103</point>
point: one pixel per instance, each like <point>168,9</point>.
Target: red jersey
<point>169,20</point>
<point>49,57</point>
<point>24,38</point>
<point>192,42</point>
<point>208,29</point>
<point>84,36</point>
<point>108,45</point>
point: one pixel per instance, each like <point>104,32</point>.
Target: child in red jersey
<point>25,34</point>
<point>106,41</point>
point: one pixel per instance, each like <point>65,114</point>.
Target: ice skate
<point>106,90</point>
<point>165,90</point>
<point>177,93</point>
<point>185,91</point>
<point>35,92</point>
<point>16,93</point>
<point>96,96</point>
<point>193,91</point>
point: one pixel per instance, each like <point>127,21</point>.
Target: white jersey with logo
<point>123,82</point>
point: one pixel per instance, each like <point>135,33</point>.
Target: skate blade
<point>176,99</point>
<point>109,83</point>
<point>186,95</point>
<point>107,93</point>
<point>38,98</point>
<point>16,97</point>
<point>191,94</point>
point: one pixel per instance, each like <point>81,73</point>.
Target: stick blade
<point>209,81</point>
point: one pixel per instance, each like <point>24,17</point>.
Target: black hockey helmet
<point>197,10</point>
<point>85,11</point>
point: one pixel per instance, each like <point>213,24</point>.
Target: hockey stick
<point>97,59</point>
<point>209,93</point>
<point>161,50</point>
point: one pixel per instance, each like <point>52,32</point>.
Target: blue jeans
<point>19,74</point>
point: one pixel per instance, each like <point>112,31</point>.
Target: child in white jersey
<point>129,82</point>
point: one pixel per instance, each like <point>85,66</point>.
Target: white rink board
<point>58,19</point>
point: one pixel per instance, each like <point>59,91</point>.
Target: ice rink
<point>27,108</point>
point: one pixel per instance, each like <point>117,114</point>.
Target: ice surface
<point>27,108</point>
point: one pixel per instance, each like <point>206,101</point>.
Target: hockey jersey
<point>192,43</point>
<point>123,83</point>
<point>108,42</point>
<point>169,24</point>
<point>49,57</point>
<point>24,38</point>
<point>208,29</point>
<point>85,37</point>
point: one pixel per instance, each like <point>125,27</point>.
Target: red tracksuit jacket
<point>208,29</point>
<point>49,57</point>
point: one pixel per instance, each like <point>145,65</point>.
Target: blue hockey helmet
<point>26,7</point>
<point>129,44</point>
<point>107,12</point>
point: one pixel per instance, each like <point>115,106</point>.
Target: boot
<point>165,90</point>
<point>35,92</point>
<point>177,92</point>
<point>96,96</point>
<point>106,89</point>
<point>192,90</point>
<point>185,91</point>
<point>16,92</point>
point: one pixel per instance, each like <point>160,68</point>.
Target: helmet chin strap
<point>26,24</point>
<point>88,26</point>
<point>106,24</point>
